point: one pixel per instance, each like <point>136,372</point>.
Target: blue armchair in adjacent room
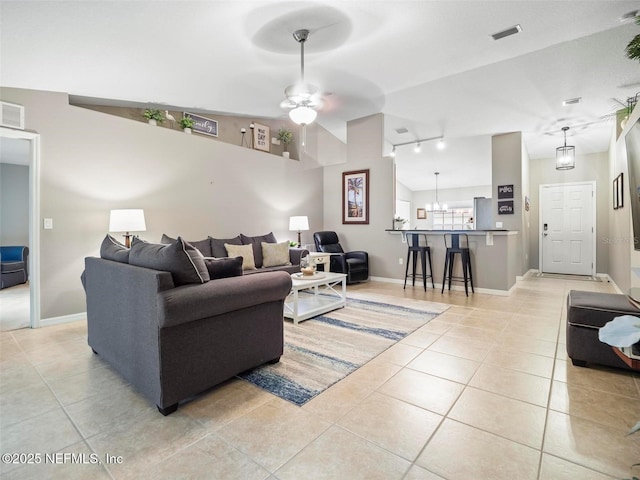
<point>14,268</point>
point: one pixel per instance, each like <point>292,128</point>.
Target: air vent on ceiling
<point>571,101</point>
<point>507,32</point>
<point>401,130</point>
<point>11,115</point>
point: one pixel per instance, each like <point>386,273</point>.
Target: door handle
<point>545,234</point>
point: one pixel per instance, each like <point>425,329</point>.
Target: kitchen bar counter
<point>495,257</point>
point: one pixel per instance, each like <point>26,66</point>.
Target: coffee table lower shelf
<point>329,292</point>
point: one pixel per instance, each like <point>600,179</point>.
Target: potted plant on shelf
<point>186,123</point>
<point>153,116</point>
<point>286,137</point>
<point>399,223</point>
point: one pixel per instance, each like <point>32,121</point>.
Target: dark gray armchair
<point>354,264</point>
<point>14,268</point>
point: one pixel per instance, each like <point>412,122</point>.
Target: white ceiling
<point>429,66</point>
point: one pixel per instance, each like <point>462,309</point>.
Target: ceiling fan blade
<point>286,103</point>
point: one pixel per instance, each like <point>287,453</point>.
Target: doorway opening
<point>7,136</point>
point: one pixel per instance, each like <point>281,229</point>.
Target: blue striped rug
<point>323,350</point>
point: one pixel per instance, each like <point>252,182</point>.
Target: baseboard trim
<point>74,317</point>
<point>458,288</point>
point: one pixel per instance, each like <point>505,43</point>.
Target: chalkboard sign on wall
<point>505,208</point>
<point>505,191</point>
<point>203,124</point>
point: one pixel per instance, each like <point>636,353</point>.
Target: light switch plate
<point>48,223</point>
<point>498,224</point>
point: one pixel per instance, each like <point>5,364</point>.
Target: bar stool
<point>416,250</point>
<point>454,245</point>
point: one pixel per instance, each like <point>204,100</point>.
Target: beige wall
<point>364,151</point>
<point>92,162</point>
<point>623,258</point>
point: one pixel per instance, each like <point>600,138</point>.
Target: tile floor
<point>14,307</point>
<point>484,391</point>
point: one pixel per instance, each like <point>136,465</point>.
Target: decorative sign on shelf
<point>261,137</point>
<point>505,191</point>
<point>505,207</point>
<point>203,125</point>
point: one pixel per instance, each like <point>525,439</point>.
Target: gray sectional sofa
<point>273,256</point>
<point>173,324</point>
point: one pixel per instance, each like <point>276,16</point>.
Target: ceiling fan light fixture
<point>303,115</point>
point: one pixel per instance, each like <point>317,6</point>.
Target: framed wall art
<point>203,125</point>
<point>422,213</point>
<point>355,197</point>
<point>261,137</point>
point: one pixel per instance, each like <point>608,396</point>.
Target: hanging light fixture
<point>393,151</point>
<point>565,155</point>
<point>417,148</point>
<point>435,206</point>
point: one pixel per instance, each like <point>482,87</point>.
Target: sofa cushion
<point>203,245</point>
<point>224,267</point>
<point>217,245</point>
<point>275,254</point>
<point>244,251</point>
<point>185,262</point>
<point>112,249</point>
<point>256,244</point>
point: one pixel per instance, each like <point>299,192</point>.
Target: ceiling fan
<point>303,99</point>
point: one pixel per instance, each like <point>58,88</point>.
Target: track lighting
<point>418,144</point>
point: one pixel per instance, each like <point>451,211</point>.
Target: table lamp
<point>299,223</point>
<point>127,220</point>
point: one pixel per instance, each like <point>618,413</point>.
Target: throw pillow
<point>224,267</point>
<point>256,243</point>
<point>244,251</point>
<point>112,249</point>
<point>217,245</point>
<point>275,254</point>
<point>185,262</point>
<point>203,245</point>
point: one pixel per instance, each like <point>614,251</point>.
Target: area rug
<point>323,350</point>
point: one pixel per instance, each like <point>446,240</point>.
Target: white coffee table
<point>302,307</point>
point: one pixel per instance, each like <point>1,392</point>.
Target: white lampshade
<point>303,115</point>
<point>300,223</point>
<point>127,220</point>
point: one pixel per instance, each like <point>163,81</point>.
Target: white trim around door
<point>573,195</point>
<point>34,218</point>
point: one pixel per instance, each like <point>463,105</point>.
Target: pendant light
<point>435,206</point>
<point>565,155</point>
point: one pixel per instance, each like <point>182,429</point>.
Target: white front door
<point>567,221</point>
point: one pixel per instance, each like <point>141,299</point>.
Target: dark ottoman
<point>586,313</point>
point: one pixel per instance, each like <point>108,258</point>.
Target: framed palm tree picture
<point>355,197</point>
